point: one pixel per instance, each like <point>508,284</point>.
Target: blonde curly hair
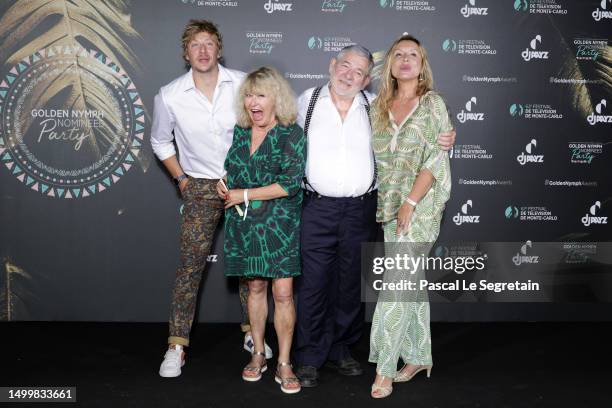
<point>267,81</point>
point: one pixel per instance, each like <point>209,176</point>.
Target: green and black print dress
<point>267,242</point>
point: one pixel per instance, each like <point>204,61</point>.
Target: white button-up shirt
<point>203,130</point>
<point>340,161</point>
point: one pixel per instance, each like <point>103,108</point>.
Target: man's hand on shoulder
<point>447,140</point>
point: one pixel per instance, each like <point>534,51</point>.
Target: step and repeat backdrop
<point>89,218</point>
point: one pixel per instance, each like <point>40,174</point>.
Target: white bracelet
<point>411,202</point>
<point>246,202</point>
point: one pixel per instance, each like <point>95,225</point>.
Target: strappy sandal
<point>285,382</point>
<point>381,391</point>
<point>258,370</point>
<point>404,377</point>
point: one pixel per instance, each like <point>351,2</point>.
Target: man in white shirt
<point>338,214</point>
<point>196,110</point>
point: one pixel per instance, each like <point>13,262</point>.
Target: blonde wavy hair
<point>267,81</point>
<point>388,84</point>
<point>195,27</point>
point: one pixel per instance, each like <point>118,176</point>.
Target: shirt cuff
<point>164,152</point>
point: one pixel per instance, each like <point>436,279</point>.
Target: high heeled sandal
<point>258,370</point>
<point>287,381</point>
<point>381,391</point>
<point>403,377</point>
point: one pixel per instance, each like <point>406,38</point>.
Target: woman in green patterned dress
<point>263,200</point>
<point>414,184</point>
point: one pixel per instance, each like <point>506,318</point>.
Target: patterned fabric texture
<point>416,148</point>
<point>266,243</point>
<point>243,293</point>
<point>400,325</point>
<point>201,213</point>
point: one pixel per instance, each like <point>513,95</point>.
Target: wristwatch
<point>180,178</point>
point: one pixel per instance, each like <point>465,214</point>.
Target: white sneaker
<point>173,361</point>
<point>248,346</point>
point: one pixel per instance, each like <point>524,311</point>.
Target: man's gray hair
<point>360,50</point>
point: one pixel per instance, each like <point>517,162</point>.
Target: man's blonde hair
<point>195,27</point>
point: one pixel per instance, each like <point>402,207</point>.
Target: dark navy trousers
<point>329,310</point>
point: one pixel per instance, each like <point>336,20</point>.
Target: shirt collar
<point>224,74</point>
<point>325,91</point>
<point>189,83</point>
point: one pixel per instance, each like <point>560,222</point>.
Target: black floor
<point>475,365</point>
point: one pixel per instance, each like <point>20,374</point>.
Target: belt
<point>312,194</point>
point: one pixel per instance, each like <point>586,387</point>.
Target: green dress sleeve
<point>230,152</point>
<point>293,161</point>
<point>434,159</point>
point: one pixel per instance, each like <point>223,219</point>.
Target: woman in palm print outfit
<point>414,184</point>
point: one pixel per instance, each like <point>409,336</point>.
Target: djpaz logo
<point>315,43</point>
<point>590,217</point>
<point>449,45</point>
<point>599,118</point>
<point>521,257</point>
<point>604,12</point>
<point>521,5</point>
<point>467,114</point>
<point>467,11</point>
<point>529,54</point>
<point>387,3</point>
<point>463,217</point>
<point>512,212</point>
<point>271,7</point>
<point>530,158</point>
<point>516,109</point>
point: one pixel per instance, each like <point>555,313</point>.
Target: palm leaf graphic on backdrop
<point>581,96</point>
<point>15,293</point>
<point>599,70</point>
<point>379,60</point>
<point>31,25</point>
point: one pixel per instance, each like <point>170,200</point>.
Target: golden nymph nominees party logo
<point>72,122</point>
